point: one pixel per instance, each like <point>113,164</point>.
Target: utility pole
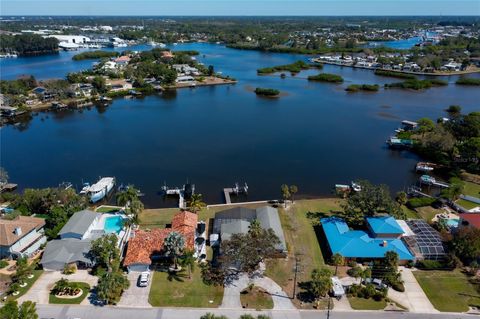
<point>328,307</point>
<point>295,277</point>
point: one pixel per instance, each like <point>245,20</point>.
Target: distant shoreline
<point>477,70</point>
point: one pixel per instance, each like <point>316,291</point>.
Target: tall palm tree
<point>174,245</point>
<point>255,228</point>
<point>196,204</point>
<point>188,260</point>
<point>124,198</point>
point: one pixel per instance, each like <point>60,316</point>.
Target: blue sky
<point>239,7</point>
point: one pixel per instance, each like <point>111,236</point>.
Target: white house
<point>71,39</point>
<point>21,237</point>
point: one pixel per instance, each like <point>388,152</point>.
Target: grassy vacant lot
<point>300,226</point>
<point>411,214</point>
<point>472,189</point>
<point>366,304</point>
<point>448,290</point>
<point>256,298</point>
<point>183,292</point>
<point>74,301</point>
<point>159,217</point>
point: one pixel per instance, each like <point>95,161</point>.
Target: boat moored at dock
<point>99,190</point>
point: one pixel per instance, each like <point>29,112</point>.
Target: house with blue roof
<point>383,234</point>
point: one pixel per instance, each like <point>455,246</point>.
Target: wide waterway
<point>315,136</point>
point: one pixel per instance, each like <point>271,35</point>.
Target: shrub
<point>398,286</point>
<point>70,269</point>
<point>3,263</point>
<point>326,77</point>
<point>351,263</point>
<point>420,202</point>
<point>430,264</point>
<point>267,92</point>
<point>468,81</point>
<point>355,272</point>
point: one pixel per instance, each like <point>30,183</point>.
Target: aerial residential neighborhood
<point>239,159</point>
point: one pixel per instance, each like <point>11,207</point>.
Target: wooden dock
<point>181,196</point>
<point>226,193</point>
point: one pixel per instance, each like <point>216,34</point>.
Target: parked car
<point>377,283</point>
<point>143,279</point>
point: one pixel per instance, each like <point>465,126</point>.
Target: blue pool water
<point>113,224</point>
<point>453,222</point>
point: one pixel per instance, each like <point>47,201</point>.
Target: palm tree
<point>293,191</point>
<point>174,245</point>
<point>188,260</point>
<point>255,228</point>
<point>27,310</point>
<point>285,193</point>
<point>124,198</point>
<point>337,260</point>
<point>196,204</point>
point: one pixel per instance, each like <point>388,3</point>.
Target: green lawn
<point>448,290</point>
<point>256,299</point>
<point>472,189</point>
<point>428,212</point>
<point>411,214</point>
<point>366,304</point>
<point>183,292</point>
<point>23,290</point>
<point>64,301</point>
<point>466,204</point>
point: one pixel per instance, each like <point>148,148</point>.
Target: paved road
<point>90,312</point>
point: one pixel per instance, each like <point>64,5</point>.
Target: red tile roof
<point>472,218</point>
<point>147,243</point>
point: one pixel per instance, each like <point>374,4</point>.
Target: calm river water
<point>315,136</point>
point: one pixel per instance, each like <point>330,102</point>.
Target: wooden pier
<point>235,190</point>
<point>188,190</point>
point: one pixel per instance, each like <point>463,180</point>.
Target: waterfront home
<point>237,221</point>
<point>451,66</point>
<point>21,236</point>
<point>74,243</point>
<point>118,85</point>
<point>185,69</point>
<point>122,61</point>
<point>383,234</point>
<point>185,79</point>
<point>110,66</point>
<point>167,55</point>
<point>147,245</point>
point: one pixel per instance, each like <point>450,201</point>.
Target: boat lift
<point>183,193</point>
<point>234,190</point>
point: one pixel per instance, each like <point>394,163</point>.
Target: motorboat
<point>356,187</point>
<point>99,190</point>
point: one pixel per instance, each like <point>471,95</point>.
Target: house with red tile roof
<point>147,245</point>
<point>470,219</point>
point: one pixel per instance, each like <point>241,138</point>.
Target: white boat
<point>424,167</point>
<point>156,44</point>
<point>100,189</point>
<point>356,187</point>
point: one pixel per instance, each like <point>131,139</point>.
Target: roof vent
<point>18,231</point>
<point>385,243</point>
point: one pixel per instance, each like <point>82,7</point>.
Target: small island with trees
<point>267,92</point>
<point>362,87</point>
<point>326,77</point>
<point>92,55</point>
<point>295,67</point>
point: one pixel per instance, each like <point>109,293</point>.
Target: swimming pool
<point>113,224</point>
<point>453,222</point>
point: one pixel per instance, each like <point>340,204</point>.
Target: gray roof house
<point>61,252</point>
<point>74,244</point>
<point>80,225</point>
<point>237,220</point>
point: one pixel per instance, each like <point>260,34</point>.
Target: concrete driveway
<point>40,290</point>
<point>136,296</point>
<point>231,293</point>
<point>414,298</point>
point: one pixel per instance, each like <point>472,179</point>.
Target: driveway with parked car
<point>135,295</point>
